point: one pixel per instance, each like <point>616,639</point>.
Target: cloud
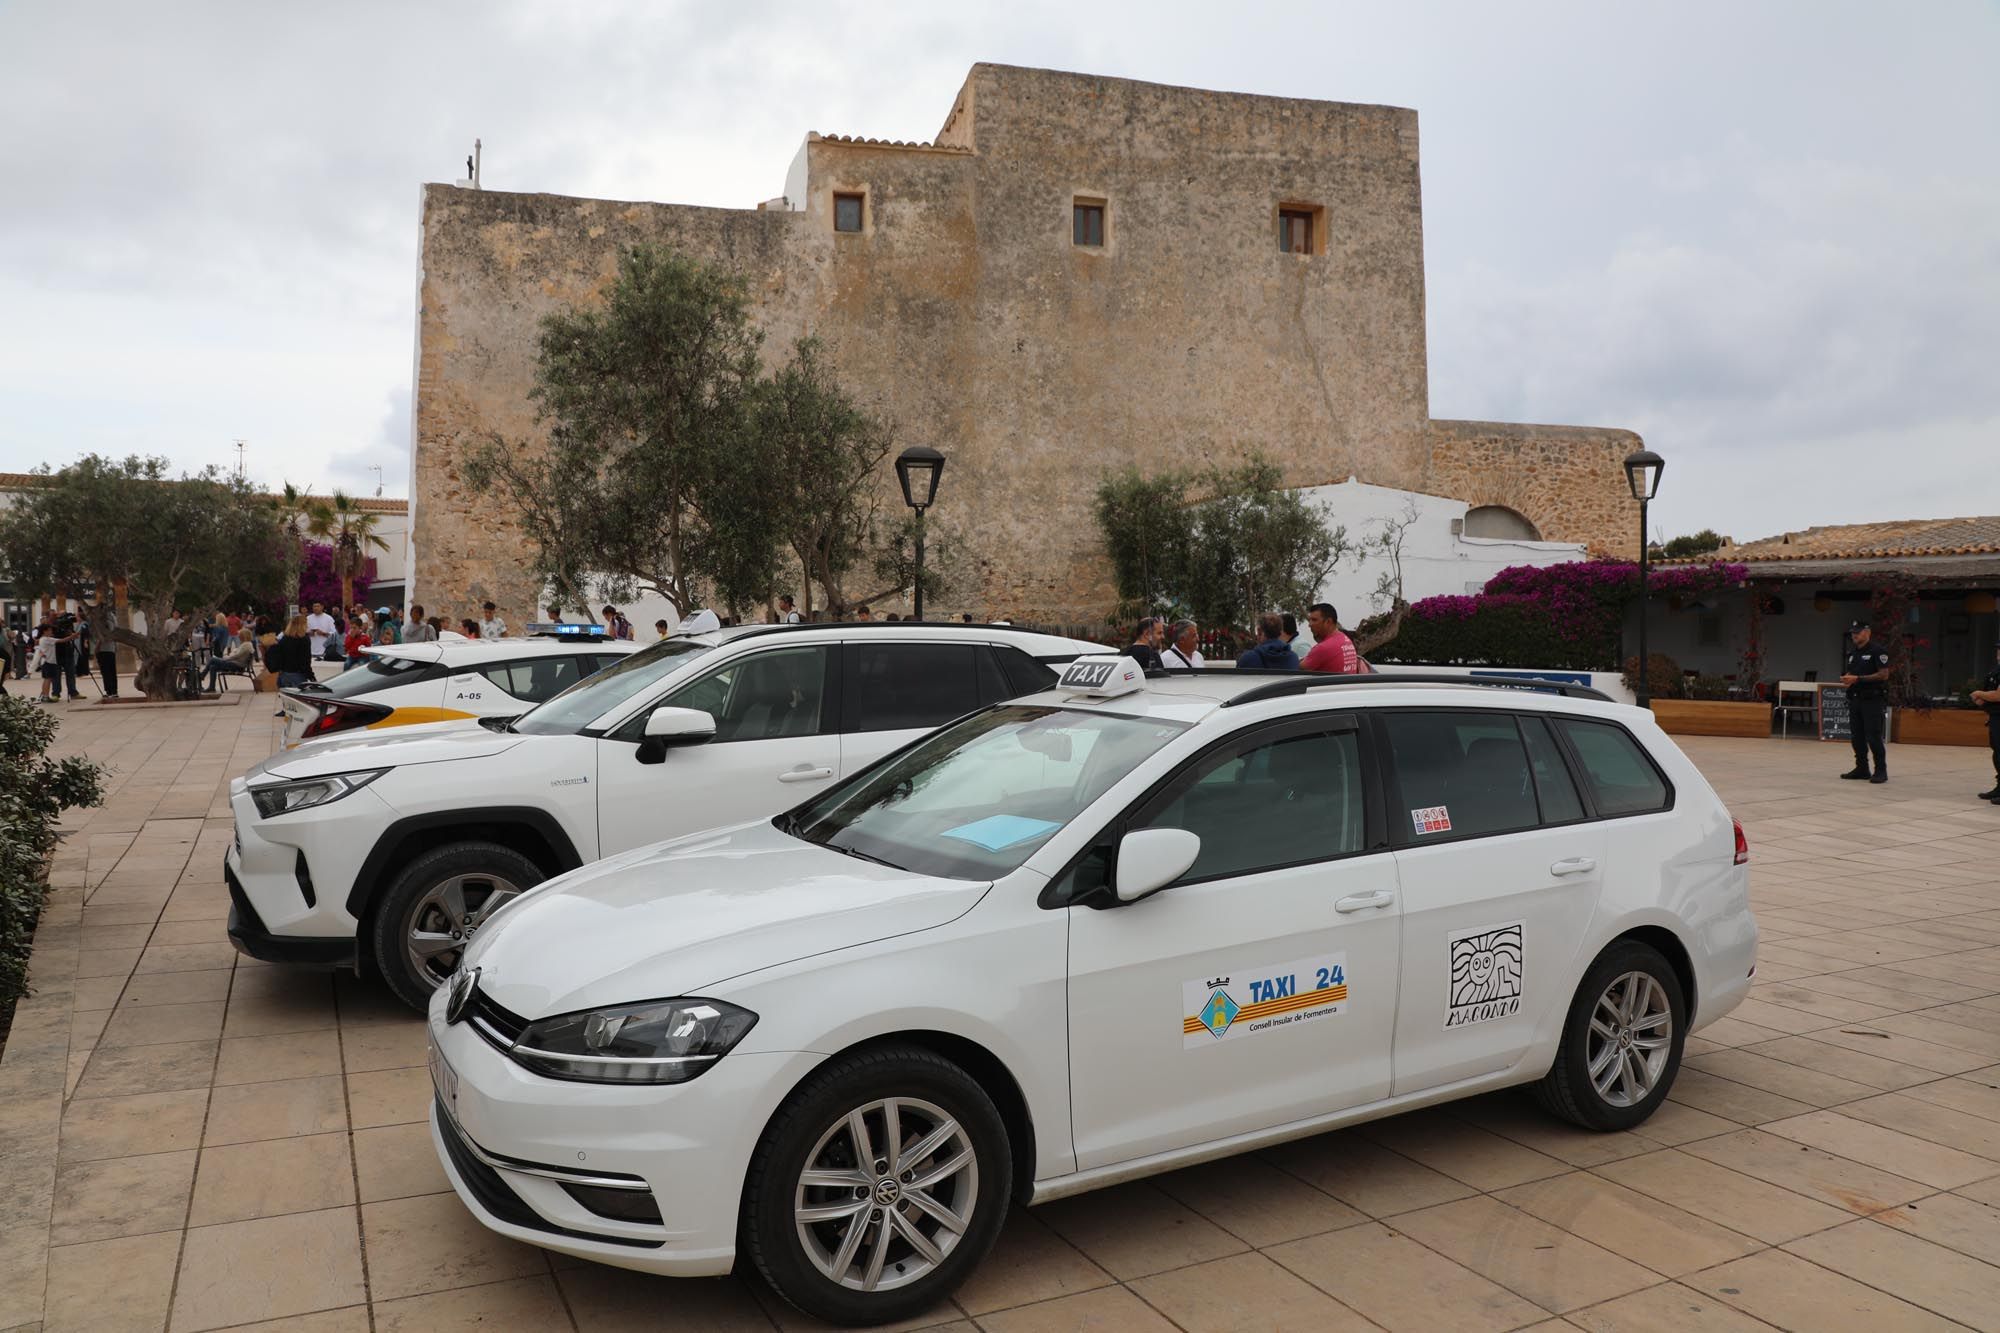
<point>1764,236</point>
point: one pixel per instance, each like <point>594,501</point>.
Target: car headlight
<point>284,797</point>
<point>661,1041</point>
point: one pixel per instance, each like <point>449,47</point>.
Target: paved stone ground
<point>190,1140</point>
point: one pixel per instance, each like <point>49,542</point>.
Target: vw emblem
<point>462,987</point>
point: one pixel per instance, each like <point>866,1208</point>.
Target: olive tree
<point>183,543</point>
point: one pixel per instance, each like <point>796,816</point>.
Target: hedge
<point>34,791</point>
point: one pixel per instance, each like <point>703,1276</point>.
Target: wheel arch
<point>1673,950</point>
<point>986,1068</point>
<point>533,833</point>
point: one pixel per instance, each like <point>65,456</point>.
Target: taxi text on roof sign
<point>1102,677</point>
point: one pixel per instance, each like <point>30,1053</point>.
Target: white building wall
<point>1437,559</point>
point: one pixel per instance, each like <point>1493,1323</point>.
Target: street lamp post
<point>918,468</point>
<point>1642,473</point>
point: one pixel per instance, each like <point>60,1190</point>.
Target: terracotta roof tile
<point>864,142</point>
<point>1874,541</point>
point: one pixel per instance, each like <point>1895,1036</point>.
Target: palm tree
<point>351,530</point>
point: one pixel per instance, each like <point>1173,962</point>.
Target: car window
<point>898,686</point>
<point>595,695</point>
<point>1560,803</point>
<point>1622,778</point>
<point>379,674</point>
<point>758,697</point>
<point>974,800</point>
<point>993,686</point>
<point>1460,774</point>
<point>536,679</point>
<point>1277,802</point>
<point>1025,675</point>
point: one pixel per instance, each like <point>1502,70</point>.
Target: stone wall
<point>1569,481</point>
<point>965,314</point>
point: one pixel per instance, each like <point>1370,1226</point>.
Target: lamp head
<point>1642,472</point>
<point>918,468</point>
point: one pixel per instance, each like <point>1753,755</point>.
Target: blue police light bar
<point>560,630</point>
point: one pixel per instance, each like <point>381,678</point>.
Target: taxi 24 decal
<point>1485,975</point>
<point>1262,1000</point>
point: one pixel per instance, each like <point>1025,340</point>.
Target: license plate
<point>445,1079</point>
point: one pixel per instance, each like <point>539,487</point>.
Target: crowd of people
<point>1157,645</point>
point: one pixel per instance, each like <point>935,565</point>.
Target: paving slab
<point>191,1141</point>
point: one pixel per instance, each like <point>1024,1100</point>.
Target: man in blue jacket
<point>1271,652</point>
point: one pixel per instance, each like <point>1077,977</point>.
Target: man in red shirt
<point>1332,650</point>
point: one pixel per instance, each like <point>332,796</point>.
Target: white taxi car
<point>1098,932</point>
<point>454,679</point>
<point>389,849</point>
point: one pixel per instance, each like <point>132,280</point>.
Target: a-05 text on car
<point>392,850</point>
<point>1101,931</point>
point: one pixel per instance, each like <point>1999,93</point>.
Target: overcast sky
<point>1767,236</point>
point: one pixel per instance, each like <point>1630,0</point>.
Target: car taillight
<point>339,715</point>
<point>1742,843</point>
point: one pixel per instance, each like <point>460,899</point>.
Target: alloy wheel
<point>446,918</point>
<point>886,1194</point>
<point>1631,1038</point>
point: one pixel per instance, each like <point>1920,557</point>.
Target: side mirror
<point>1150,859</point>
<point>680,726</point>
<point>674,726</point>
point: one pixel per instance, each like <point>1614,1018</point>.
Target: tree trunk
<point>1386,632</point>
<point>158,677</point>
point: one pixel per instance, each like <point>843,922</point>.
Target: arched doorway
<point>1500,522</point>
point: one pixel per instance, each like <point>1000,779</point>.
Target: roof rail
<point>1283,683</point>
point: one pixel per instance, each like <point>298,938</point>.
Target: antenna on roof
<point>376,468</point>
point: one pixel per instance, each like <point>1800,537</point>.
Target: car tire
<point>933,1099</point>
<point>484,873</point>
<point>1606,1076</point>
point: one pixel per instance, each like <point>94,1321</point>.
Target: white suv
<point>454,679</point>
<point>395,848</point>
<point>1092,934</point>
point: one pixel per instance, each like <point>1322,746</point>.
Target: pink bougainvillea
<point>1553,615</point>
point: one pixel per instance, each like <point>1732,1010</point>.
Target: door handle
<point>1573,865</point>
<point>804,774</point>
<point>1361,902</point>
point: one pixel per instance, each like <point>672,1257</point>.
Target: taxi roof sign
<point>1102,677</point>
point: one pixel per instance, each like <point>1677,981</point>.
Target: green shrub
<point>34,791</point>
<point>1663,675</point>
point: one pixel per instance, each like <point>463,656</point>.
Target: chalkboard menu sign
<point>1835,724</point>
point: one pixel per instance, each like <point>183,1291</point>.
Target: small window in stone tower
<point>847,212</point>
<point>1087,223</point>
<point>1295,230</point>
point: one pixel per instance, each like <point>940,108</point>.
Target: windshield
<point>594,696</point>
<point>379,674</point>
<point>975,800</point>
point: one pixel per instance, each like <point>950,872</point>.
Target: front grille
<point>500,1028</point>
<point>496,1198</point>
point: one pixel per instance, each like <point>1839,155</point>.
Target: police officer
<point>1865,673</point>
<point>1988,695</point>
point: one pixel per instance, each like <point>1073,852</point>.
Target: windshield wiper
<point>859,855</point>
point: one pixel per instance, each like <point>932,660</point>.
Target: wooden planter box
<point>1940,726</point>
<point>1713,717</point>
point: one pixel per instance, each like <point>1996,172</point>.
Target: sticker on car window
<point>1431,819</point>
<point>1265,1000</point>
<point>996,833</point>
<point>1486,975</point>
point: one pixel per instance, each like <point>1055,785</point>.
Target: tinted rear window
<point>1621,776</point>
<point>896,686</point>
<point>1461,774</point>
<point>379,674</point>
